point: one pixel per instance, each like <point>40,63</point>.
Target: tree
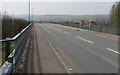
<point>114,15</point>
<point>9,29</point>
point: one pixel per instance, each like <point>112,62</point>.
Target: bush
<point>10,26</point>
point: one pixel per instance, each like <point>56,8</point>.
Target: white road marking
<point>65,66</point>
<point>97,54</point>
<point>70,69</point>
<point>67,33</point>
<point>113,50</point>
<point>84,39</point>
<point>86,30</point>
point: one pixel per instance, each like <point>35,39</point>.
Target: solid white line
<point>66,68</point>
<point>67,33</point>
<point>113,50</point>
<point>84,39</point>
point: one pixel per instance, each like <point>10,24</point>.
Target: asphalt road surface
<point>82,51</point>
<point>40,57</point>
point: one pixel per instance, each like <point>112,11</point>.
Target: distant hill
<point>62,18</point>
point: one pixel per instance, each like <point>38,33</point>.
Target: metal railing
<point>98,28</point>
<point>17,43</point>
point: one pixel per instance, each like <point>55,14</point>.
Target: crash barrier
<point>16,45</point>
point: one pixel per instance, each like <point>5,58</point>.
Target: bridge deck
<point>41,57</point>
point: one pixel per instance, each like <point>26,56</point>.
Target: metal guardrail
<point>12,58</point>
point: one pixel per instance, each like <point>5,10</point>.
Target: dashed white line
<point>67,33</point>
<point>113,50</point>
<point>84,39</point>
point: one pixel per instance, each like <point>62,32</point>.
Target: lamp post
<point>32,15</point>
<point>29,11</point>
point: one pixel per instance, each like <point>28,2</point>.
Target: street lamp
<point>29,11</point>
<point>32,15</point>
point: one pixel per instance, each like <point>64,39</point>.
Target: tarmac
<point>40,57</point>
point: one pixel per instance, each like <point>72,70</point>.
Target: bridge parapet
<point>13,49</point>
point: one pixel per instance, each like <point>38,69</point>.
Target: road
<point>40,57</point>
<point>0,43</point>
<point>82,51</point>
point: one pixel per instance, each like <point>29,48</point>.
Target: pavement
<point>60,49</point>
<point>83,51</point>
<point>41,56</point>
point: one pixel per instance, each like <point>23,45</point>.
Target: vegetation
<point>114,15</point>
<point>11,26</point>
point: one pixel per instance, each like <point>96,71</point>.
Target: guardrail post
<point>7,48</point>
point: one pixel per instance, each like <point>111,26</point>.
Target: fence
<point>104,29</point>
<point>13,49</point>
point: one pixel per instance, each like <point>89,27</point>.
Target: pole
<point>29,11</point>
<point>7,48</point>
<point>32,14</point>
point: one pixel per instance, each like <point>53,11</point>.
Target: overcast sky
<point>70,7</point>
<point>59,0</point>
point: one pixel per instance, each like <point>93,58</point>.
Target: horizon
<point>57,14</point>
